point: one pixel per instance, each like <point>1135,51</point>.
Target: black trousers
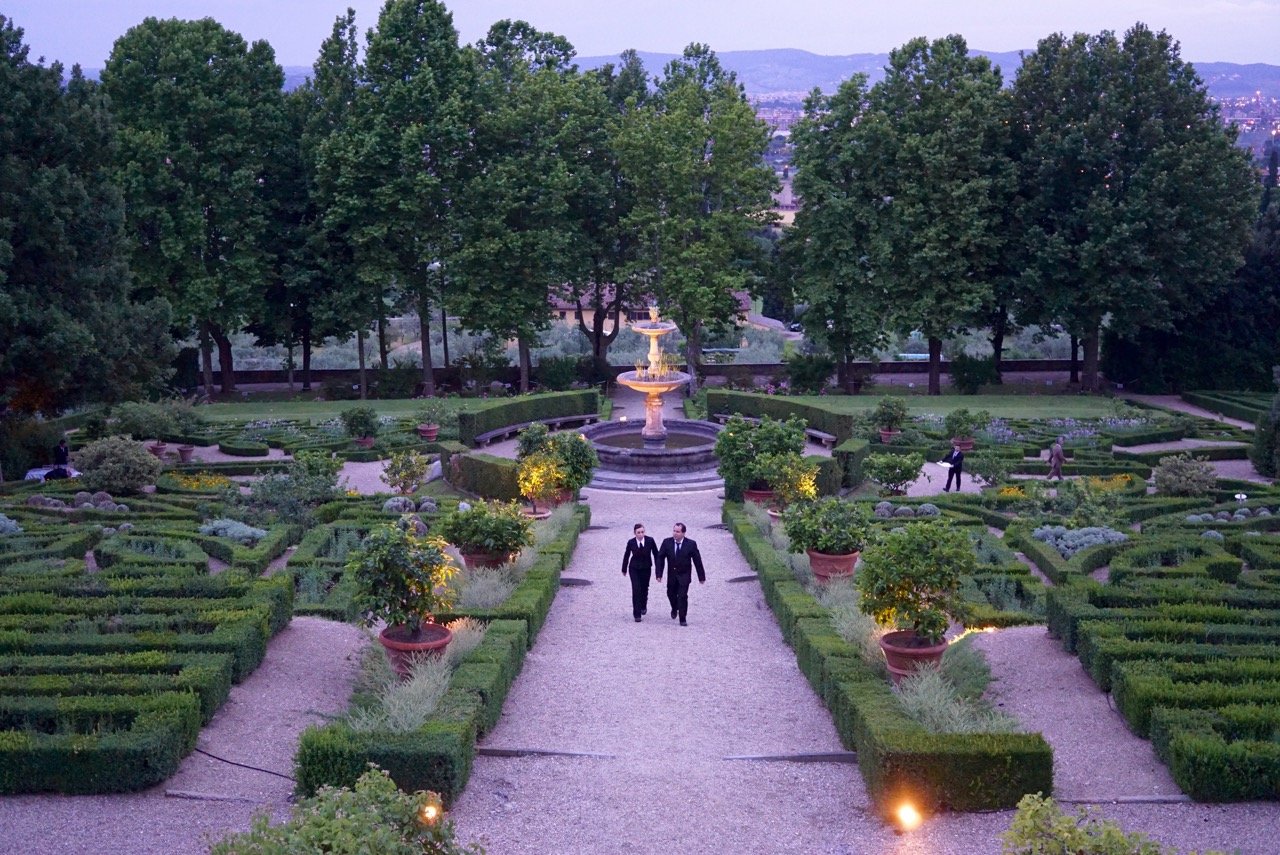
<point>678,594</point>
<point>639,590</point>
<point>953,472</point>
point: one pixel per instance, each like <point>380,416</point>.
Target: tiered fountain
<point>678,446</point>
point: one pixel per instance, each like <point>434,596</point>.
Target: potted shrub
<point>541,478</point>
<point>831,530</point>
<point>910,578</point>
<point>890,415</point>
<point>405,471</point>
<point>361,424</point>
<point>185,453</point>
<point>403,579</point>
<point>961,425</point>
<point>742,444</point>
<point>487,534</point>
<point>893,472</point>
<point>430,415</point>
<point>578,460</point>
<point>792,478</point>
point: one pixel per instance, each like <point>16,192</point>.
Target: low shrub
<point>117,465</point>
<point>1184,475</point>
<point>245,535</point>
<point>373,816</point>
<point>1042,828</point>
<point>1070,541</point>
<point>893,472</point>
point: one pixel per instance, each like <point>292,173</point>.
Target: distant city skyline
<point>1241,31</point>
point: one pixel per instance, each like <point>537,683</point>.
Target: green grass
<point>1000,406</point>
<point>318,411</point>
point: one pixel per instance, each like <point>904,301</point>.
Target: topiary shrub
<point>1070,541</point>
<point>117,464</point>
<point>1184,475</point>
<point>893,472</point>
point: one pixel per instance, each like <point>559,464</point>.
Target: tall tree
<point>936,136</point>
<point>396,165</point>
<point>695,156</point>
<point>1134,203</point>
<point>828,250</point>
<point>537,123</point>
<point>605,285</point>
<point>70,327</point>
<point>200,114</point>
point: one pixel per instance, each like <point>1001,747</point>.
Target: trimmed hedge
<point>897,757</point>
<point>851,453</point>
<point>1229,754</point>
<point>94,744</point>
<point>727,402</point>
<point>1139,687</point>
<point>438,756</point>
<point>480,474</point>
<point>244,448</point>
<point>526,408</point>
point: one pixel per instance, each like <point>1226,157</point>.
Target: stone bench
<point>556,423</point>
<point>817,436</point>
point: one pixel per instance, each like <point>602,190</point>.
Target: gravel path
<point>306,676</point>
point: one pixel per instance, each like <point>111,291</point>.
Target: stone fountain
<point>683,455</point>
<point>655,379</point>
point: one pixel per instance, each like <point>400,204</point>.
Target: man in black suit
<point>956,459</point>
<point>638,562</point>
<point>681,553</point>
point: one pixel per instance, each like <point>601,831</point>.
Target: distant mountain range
<point>765,73</point>
<point>788,74</point>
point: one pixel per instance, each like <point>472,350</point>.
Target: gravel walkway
<point>306,676</point>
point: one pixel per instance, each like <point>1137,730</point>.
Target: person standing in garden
<point>956,459</point>
<point>637,562</point>
<point>681,553</point>
<point>1056,458</point>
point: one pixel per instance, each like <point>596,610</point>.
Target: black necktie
<point>677,547</point>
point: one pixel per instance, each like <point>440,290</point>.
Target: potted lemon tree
<point>910,579</point>
<point>742,445</point>
<point>831,531</point>
<point>889,415</point>
<point>430,414</point>
<point>361,424</point>
<point>488,534</point>
<point>403,579</point>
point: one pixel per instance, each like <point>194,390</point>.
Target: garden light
<point>908,817</point>
<point>431,810</point>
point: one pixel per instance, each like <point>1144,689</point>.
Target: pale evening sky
<point>1210,30</point>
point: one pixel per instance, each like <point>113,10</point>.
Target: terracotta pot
<point>185,452</point>
<point>903,658</point>
<point>826,566</point>
<point>888,436</point>
<point>429,432</point>
<point>485,559</point>
<point>760,497</point>
<point>158,448</point>
<point>964,443</point>
<point>536,515</point>
<point>364,441</point>
<point>775,515</point>
<point>403,646</point>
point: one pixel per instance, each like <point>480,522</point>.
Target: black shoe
<point>684,623</point>
<point>637,618</point>
<point>673,614</point>
<point>644,611</point>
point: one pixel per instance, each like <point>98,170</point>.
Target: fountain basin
<point>690,445</point>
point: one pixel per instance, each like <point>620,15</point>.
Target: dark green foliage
<point>525,409</point>
<point>809,374</point>
<point>483,475</point>
<point>25,442</point>
<point>971,373</point>
<point>1265,452</point>
<point>65,286</point>
<point>1223,755</point>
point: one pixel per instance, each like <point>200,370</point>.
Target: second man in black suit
<point>680,554</point>
<point>637,562</point>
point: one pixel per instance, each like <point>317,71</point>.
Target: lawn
<point>1000,406</point>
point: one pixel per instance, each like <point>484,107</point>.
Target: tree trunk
<point>364,379</point>
<point>290,363</point>
<point>935,366</point>
<point>842,372</point>
<point>382,340</point>
<point>424,330</point>
<point>522,345</point>
<point>444,335</point>
<point>997,342</point>
<point>1075,360</point>
<point>306,355</point>
<point>206,359</point>
<point>693,355</point>
<point>224,360</point>
<point>1090,343</point>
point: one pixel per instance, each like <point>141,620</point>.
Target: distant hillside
<point>790,72</point>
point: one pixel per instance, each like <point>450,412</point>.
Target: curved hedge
<point>526,408</point>
<point>244,448</point>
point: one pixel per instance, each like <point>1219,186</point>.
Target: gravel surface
<point>306,675</point>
